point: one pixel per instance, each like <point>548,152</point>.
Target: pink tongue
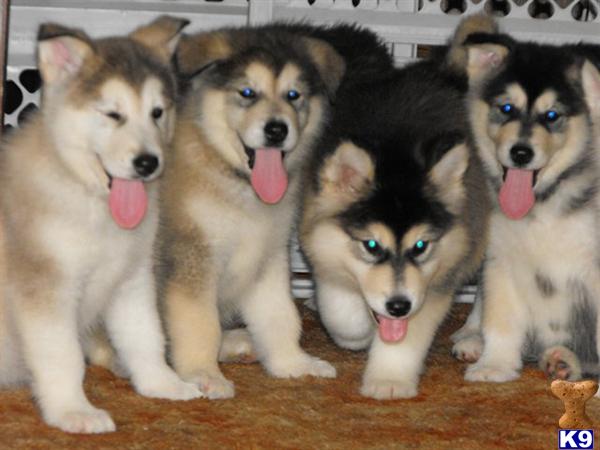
<point>127,202</point>
<point>269,178</point>
<point>392,330</point>
<point>516,196</point>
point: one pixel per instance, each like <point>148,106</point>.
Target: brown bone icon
<point>574,395</point>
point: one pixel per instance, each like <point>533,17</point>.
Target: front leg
<point>345,315</point>
<point>468,341</point>
<point>194,332</point>
<point>274,323</point>
<point>134,328</point>
<point>46,321</point>
<point>504,328</point>
<point>393,370</point>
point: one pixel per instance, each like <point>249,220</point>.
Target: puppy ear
<point>484,59</point>
<point>590,80</point>
<point>457,56</point>
<point>347,173</point>
<point>161,35</point>
<point>447,176</point>
<point>196,52</point>
<point>330,64</point>
<point>61,52</point>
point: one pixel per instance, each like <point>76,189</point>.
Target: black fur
<point>406,119</point>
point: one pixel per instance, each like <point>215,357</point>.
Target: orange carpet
<point>266,413</point>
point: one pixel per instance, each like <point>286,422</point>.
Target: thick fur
<point>66,265</point>
<point>223,251</point>
<point>395,167</point>
<point>541,281</point>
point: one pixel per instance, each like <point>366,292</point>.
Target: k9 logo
<point>568,439</point>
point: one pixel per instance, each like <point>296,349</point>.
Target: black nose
<point>275,132</point>
<point>521,154</point>
<point>398,306</point>
<point>145,164</point>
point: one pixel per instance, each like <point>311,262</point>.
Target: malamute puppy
<point>393,219</point>
<point>255,106</point>
<point>532,112</point>
<point>93,152</point>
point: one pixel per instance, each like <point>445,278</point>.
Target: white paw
<point>213,386</point>
<point>469,348</point>
<point>86,420</point>
<point>302,364</point>
<point>480,372</point>
<point>388,389</point>
<point>168,386</point>
<point>237,346</point>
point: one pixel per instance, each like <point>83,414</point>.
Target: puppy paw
<point>388,389</point>
<point>301,365</point>
<point>468,348</point>
<point>168,386</point>
<point>237,346</point>
<point>480,372</point>
<point>560,363</point>
<point>214,386</point>
<point>86,420</point>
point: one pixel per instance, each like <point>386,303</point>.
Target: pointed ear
<point>447,176</point>
<point>161,35</point>
<point>457,56</point>
<point>347,173</point>
<point>483,59</point>
<point>330,64</point>
<point>196,52</point>
<point>61,52</point>
<point>590,79</point>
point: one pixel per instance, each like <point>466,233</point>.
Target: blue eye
<point>420,247</point>
<point>248,93</point>
<point>293,95</point>
<point>507,108</point>
<point>551,116</point>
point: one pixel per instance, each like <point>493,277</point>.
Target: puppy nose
<point>275,132</point>
<point>521,154</point>
<point>145,164</point>
<point>398,306</point>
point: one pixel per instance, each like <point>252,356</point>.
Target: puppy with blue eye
<point>256,104</point>
<point>534,113</point>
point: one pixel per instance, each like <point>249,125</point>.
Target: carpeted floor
<point>311,413</point>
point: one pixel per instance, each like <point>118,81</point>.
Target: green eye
<point>420,247</point>
<point>375,249</point>
<point>372,246</point>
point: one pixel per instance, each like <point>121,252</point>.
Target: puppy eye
<point>248,93</point>
<point>114,116</point>
<point>507,108</point>
<point>551,116</point>
<point>419,248</point>
<point>293,95</point>
<point>375,249</point>
<point>157,113</point>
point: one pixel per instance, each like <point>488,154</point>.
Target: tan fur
<point>476,23</point>
<point>223,251</point>
<point>197,51</point>
<point>66,266</point>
